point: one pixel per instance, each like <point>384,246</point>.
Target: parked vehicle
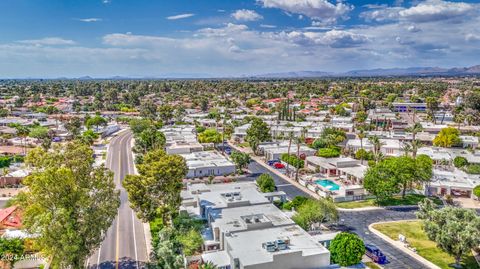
<point>272,162</point>
<point>279,166</point>
<point>375,254</point>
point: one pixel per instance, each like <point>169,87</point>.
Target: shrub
<point>293,160</point>
<point>329,152</point>
<point>473,169</point>
<point>295,203</point>
<point>460,161</point>
<point>347,249</point>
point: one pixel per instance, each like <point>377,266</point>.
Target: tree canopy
<point>266,183</point>
<point>258,132</point>
<point>315,211</point>
<point>346,249</point>
<point>68,203</point>
<point>448,137</point>
<point>156,189</point>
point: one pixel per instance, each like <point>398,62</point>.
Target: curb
<point>399,245</point>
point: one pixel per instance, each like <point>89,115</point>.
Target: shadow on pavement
<point>123,263</point>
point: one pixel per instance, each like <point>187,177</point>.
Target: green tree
<point>88,137</point>
<point>380,180</point>
<point>346,249</point>
<point>240,159</point>
<point>156,190</point>
<point>315,211</point>
<point>165,113</point>
<point>139,125</point>
<point>191,242</point>
<point>266,183</point>
<point>149,139</point>
<point>68,203</point>
<point>455,230</point>
<point>74,126</point>
<point>22,132</point>
<point>166,252</point>
<point>258,132</point>
<point>447,137</point>
<point>96,121</point>
<point>12,248</point>
<point>210,136</point>
<point>476,191</point>
<point>148,110</point>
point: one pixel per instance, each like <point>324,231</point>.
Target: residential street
<point>356,221</point>
<point>124,246</point>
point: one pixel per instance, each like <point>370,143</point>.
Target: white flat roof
<point>247,245</point>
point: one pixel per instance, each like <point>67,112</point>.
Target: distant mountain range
<point>392,72</point>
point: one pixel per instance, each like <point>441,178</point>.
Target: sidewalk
<point>399,245</point>
<point>276,172</point>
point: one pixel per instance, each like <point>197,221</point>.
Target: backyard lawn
<point>410,199</point>
<point>417,238</point>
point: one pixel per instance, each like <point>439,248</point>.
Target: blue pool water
<point>328,184</point>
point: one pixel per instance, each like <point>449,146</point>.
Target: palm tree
<point>414,129</point>
<point>377,144</point>
<point>361,136</point>
<point>23,132</point>
<point>290,137</point>
<point>299,141</point>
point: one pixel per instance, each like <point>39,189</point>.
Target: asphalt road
<point>124,245</point>
<point>355,221</point>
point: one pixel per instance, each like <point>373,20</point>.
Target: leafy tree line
<point>68,203</point>
<point>392,175</point>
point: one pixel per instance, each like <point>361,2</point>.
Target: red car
<point>279,165</point>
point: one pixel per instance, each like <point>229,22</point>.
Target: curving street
<point>124,246</point>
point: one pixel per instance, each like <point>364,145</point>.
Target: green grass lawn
<point>418,239</point>
<point>410,199</point>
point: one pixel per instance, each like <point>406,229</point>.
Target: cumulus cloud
<point>90,20</point>
<point>428,11</point>
<point>50,41</point>
<point>436,10</point>
<point>180,16</point>
<point>320,10</point>
<point>246,15</point>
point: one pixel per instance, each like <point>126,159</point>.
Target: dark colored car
<point>272,162</point>
<point>375,254</point>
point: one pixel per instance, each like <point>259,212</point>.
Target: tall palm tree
<point>361,136</point>
<point>414,129</point>
<point>22,132</point>
<point>377,144</point>
<point>299,141</point>
<point>290,138</point>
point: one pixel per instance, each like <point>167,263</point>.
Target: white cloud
<point>49,41</point>
<point>321,10</point>
<point>246,15</point>
<point>436,10</point>
<point>270,26</point>
<point>413,29</point>
<point>180,16</point>
<point>90,20</point>
<point>428,11</point>
<point>472,37</point>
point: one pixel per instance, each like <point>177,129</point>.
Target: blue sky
<point>139,38</point>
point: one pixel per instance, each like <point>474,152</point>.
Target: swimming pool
<point>328,184</point>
